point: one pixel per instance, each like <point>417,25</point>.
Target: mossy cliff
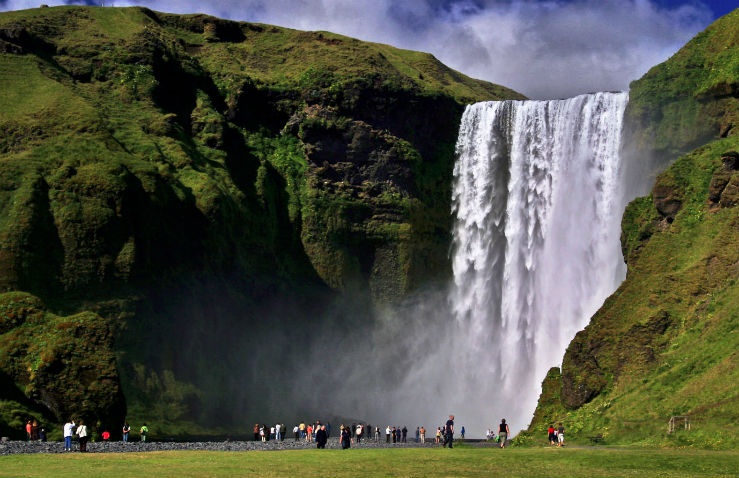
<point>189,190</point>
<point>665,343</point>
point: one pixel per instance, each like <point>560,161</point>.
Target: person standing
<point>560,435</point>
<point>461,432</point>
<point>449,432</point>
<point>438,435</point>
<point>377,434</point>
<point>359,433</point>
<point>404,432</point>
<point>423,434</point>
<point>321,437</point>
<point>503,432</point>
<point>126,431</point>
<point>387,434</point>
<point>82,434</point>
<point>550,434</point>
<point>28,430</point>
<point>346,438</point>
<point>418,434</point>
<point>143,432</point>
<point>34,431</point>
<point>296,432</point>
<point>68,432</point>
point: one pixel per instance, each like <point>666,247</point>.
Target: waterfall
<point>536,248</point>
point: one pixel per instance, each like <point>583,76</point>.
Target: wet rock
<point>16,447</point>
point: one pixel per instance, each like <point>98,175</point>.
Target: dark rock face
<point>667,198</point>
<point>724,187</point>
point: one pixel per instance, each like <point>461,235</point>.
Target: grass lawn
<point>485,462</point>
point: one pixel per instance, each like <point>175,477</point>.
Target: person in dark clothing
<point>346,438</point>
<point>418,434</point>
<point>405,434</point>
<point>395,435</point>
<point>321,437</point>
<point>42,435</point>
<point>256,432</point>
<point>449,431</point>
<point>503,432</point>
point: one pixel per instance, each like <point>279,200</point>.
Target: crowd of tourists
<point>311,432</point>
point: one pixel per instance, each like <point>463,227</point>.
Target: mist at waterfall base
<point>539,191</point>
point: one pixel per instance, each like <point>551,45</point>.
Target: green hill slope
<point>665,343</point>
<point>195,182</point>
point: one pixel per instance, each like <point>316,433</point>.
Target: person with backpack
<point>143,432</point>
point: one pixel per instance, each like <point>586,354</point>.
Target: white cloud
<point>544,49</point>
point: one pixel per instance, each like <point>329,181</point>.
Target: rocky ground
<point>14,447</point>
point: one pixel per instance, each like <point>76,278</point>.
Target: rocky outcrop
<point>64,366</point>
<point>724,188</point>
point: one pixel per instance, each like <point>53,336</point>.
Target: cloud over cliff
<point>542,48</point>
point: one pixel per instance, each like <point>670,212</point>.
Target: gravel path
<point>13,447</point>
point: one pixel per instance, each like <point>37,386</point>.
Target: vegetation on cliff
<point>191,182</point>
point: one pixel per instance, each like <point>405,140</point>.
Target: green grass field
<point>487,462</point>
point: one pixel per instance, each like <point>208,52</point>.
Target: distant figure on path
<point>359,434</point>
<point>387,434</point>
<point>449,432</point>
<point>296,431</point>
<point>256,431</point>
<point>503,432</point>
<point>42,434</point>
<point>438,435</point>
<point>28,430</point>
<point>461,433</point>
<point>560,435</point>
<point>82,434</point>
<point>126,431</point>
<point>68,432</point>
<point>346,438</point>
<point>143,432</point>
<point>423,434</point>
<point>34,431</point>
<point>404,431</point>
<point>418,434</point>
<point>278,430</point>
<point>321,437</point>
<point>377,434</point>
<point>550,432</point>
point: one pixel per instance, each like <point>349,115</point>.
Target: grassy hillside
<point>688,100</point>
<point>665,343</point>
<point>208,187</point>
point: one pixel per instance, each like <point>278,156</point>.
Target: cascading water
<point>536,251</point>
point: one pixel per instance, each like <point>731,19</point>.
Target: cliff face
<point>665,342</point>
<point>202,188</point>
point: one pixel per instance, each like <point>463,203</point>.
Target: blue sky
<point>542,48</point>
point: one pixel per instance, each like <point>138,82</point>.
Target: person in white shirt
<point>278,429</point>
<point>68,432</point>
<point>82,434</point>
